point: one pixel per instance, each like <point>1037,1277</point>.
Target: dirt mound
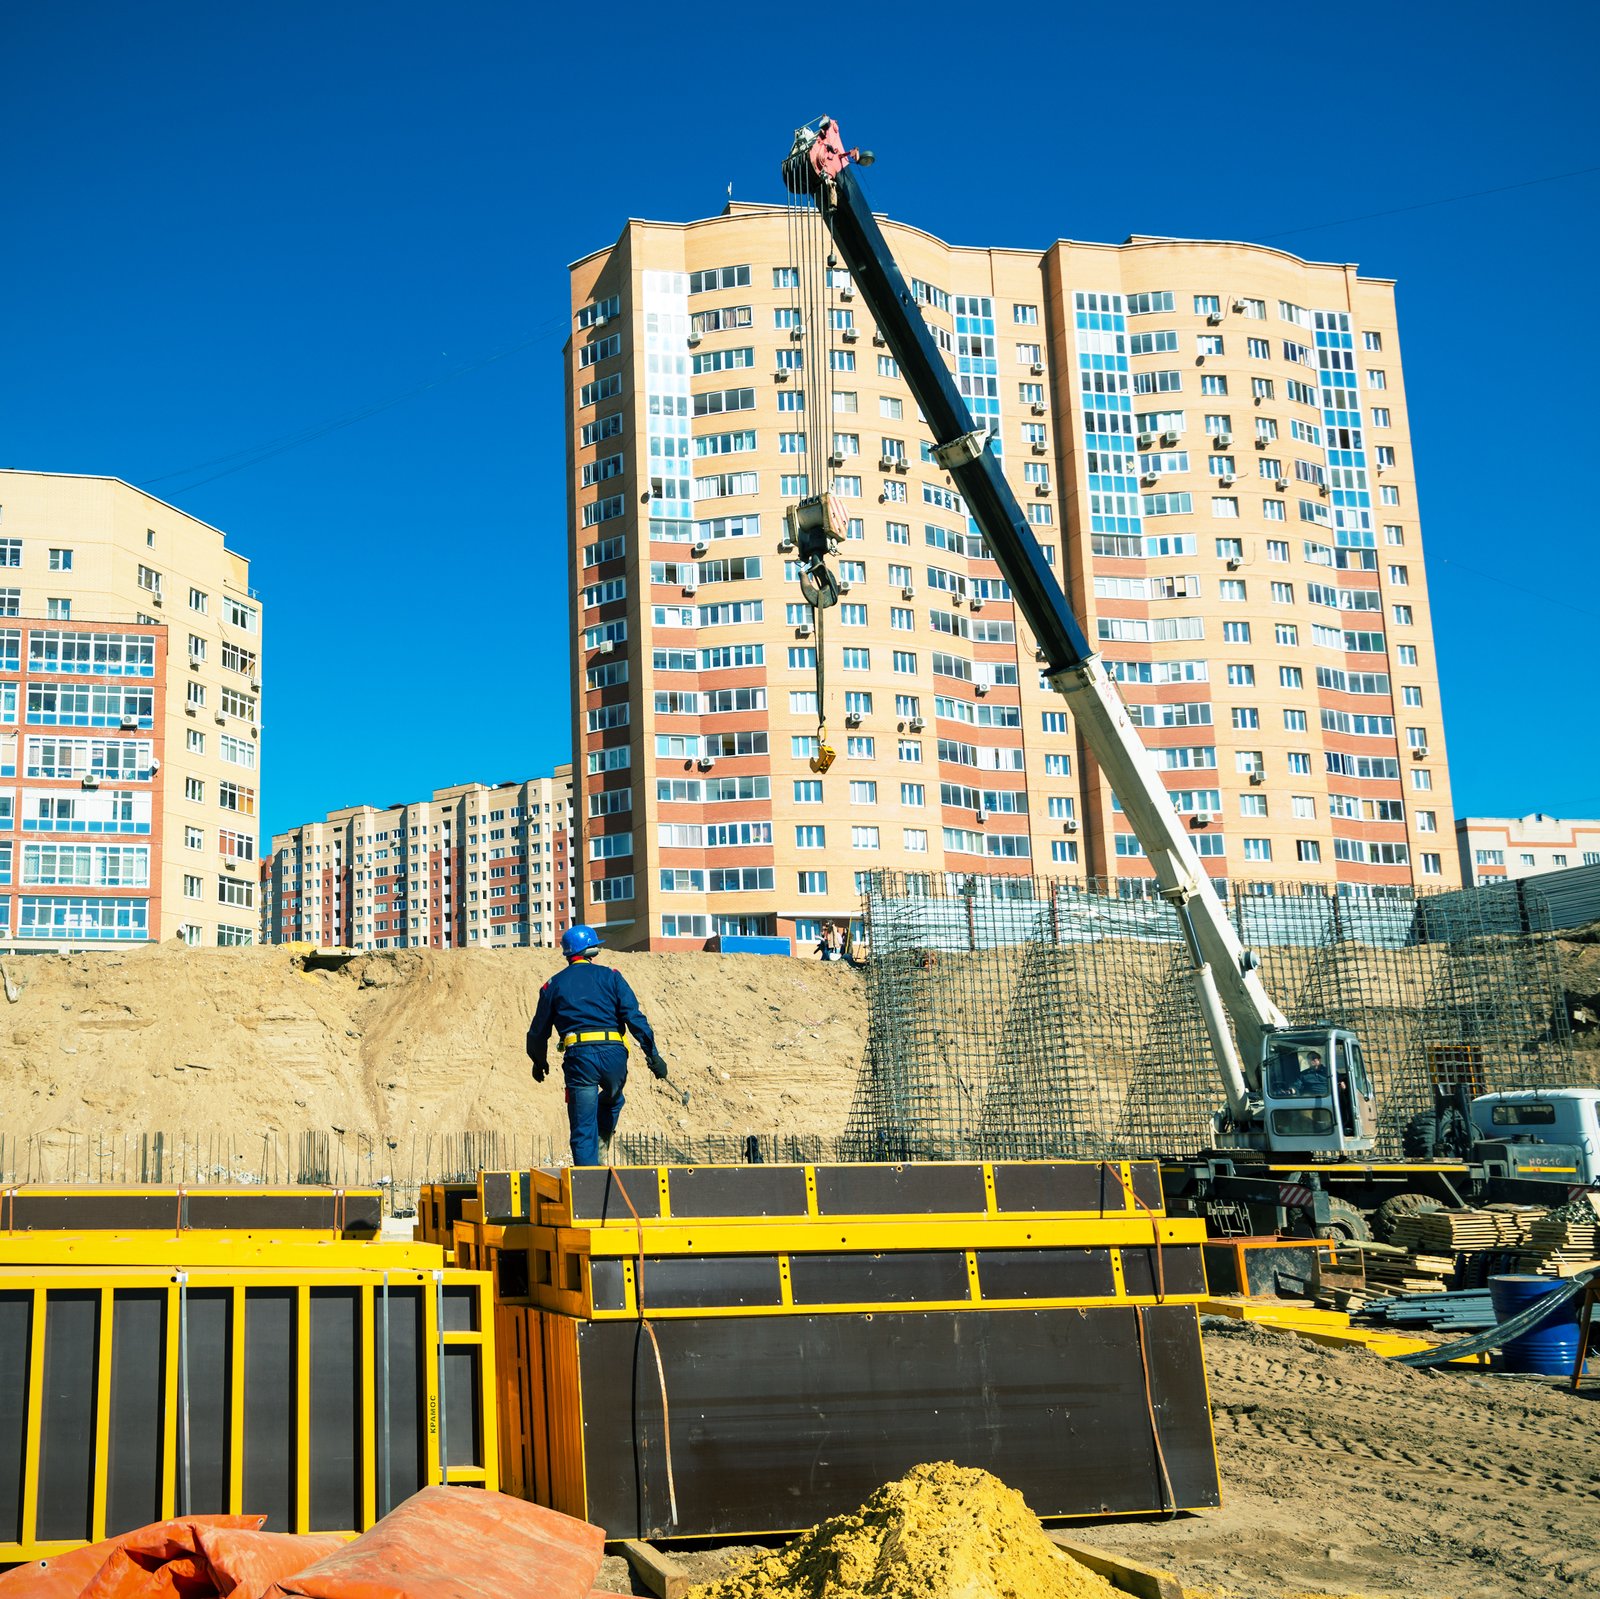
<point>396,1048</point>
<point>940,1532</point>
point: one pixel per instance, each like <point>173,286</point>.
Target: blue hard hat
<point>579,940</point>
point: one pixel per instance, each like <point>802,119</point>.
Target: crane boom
<point>1227,985</point>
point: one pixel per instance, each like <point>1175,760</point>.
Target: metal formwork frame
<point>240,1290</point>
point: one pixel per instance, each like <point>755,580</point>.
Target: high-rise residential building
<point>130,719</point>
<point>475,866</point>
<point>1497,849</point>
<point>1211,442</point>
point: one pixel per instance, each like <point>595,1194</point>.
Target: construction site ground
<point>1343,1473</point>
<point>1346,1474</point>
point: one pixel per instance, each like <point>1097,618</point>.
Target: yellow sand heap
<point>940,1532</point>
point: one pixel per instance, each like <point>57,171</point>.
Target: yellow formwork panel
<point>319,1397</point>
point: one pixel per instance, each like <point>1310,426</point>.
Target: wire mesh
<point>1023,1017</point>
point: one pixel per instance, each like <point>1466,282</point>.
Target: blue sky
<point>229,225</point>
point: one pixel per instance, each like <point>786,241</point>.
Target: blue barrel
<point>1551,1345</point>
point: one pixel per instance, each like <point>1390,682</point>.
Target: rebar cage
<point>1027,1017</point>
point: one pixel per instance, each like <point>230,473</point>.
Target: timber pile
<point>1453,1232</point>
<point>1396,1269</point>
<point>1564,1242</point>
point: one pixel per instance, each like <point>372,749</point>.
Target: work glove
<point>541,1070</point>
<point>658,1064</point>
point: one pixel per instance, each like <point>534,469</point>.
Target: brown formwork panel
<point>1052,1400</point>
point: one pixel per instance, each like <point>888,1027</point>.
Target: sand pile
<point>940,1532</point>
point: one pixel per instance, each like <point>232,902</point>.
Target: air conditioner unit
<point>699,548</point>
<point>1222,440</point>
<point>1070,825</point>
<point>1041,654</point>
<point>1146,440</point>
<point>976,602</point>
<point>189,710</point>
<point>220,719</point>
<point>1258,778</point>
<point>785,546</point>
<point>908,592</point>
<point>1235,562</point>
<point>1214,319</point>
<point>194,665</point>
<point>1281,484</point>
<point>155,763</point>
<point>1262,441</point>
<point>1038,447</point>
<point>155,599</point>
<point>983,816</point>
<point>605,646</point>
<point>90,780</point>
<point>1171,437</point>
<point>1322,488</point>
<point>1226,479</point>
<point>255,683</point>
<point>1037,368</point>
<point>916,724</point>
<point>694,338</point>
<point>1041,488</point>
<point>781,375</point>
<point>797,332</point>
<point>886,463</point>
<point>844,585</point>
<point>849,335</point>
<point>802,630</point>
<point>1381,468</point>
<point>1038,407</point>
<point>853,719</point>
<point>836,459</point>
<point>130,721</point>
<point>707,762</point>
<point>230,866</point>
<point>1150,477</point>
<point>879,340</point>
<point>691,587</point>
<point>1420,752</point>
<point>1241,305</point>
<point>980,688</point>
<point>847,292</point>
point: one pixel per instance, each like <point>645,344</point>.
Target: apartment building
<point>1211,442</point>
<point>130,720</point>
<point>1497,849</point>
<point>475,866</point>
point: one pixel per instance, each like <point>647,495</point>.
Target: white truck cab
<point>1569,1116</point>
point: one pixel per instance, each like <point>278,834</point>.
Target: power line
<point>255,454</point>
<point>1422,205</point>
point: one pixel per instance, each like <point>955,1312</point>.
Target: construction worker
<point>591,1010</point>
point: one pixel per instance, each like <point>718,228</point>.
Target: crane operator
<point>591,1009</point>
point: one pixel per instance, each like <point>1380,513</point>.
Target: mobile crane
<point>1300,1091</point>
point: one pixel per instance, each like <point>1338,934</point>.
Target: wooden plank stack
<point>1564,1242</point>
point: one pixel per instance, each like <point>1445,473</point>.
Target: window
<point>1213,383</point>
<point>1225,505</point>
<point>1371,341</point>
<point>1274,511</point>
<point>1294,721</point>
<point>813,882</point>
<point>808,791</point>
<point>193,838</point>
<point>1307,849</point>
<point>863,791</point>
<point>1290,677</point>
<point>61,560</point>
<point>1380,416</point>
<point>58,610</point>
<point>1257,849</point>
<point>864,838</point>
<point>1207,305</point>
<point>811,836</point>
<point>150,580</point>
<point>1247,716</point>
<point>1283,593</point>
<point>1406,654</point>
<point>1421,778</point>
<point>194,789</point>
<point>1209,344</point>
<point>1401,615</point>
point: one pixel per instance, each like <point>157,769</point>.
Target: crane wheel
<point>1398,1205</point>
<point>1420,1136</point>
<point>1344,1222</point>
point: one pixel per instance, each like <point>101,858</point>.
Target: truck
<point>1291,1145</point>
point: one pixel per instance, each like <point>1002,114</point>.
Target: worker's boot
<point>605,1151</point>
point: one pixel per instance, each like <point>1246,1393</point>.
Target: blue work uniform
<point>590,999</point>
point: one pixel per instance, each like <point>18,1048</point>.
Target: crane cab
<point>1316,1095</point>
